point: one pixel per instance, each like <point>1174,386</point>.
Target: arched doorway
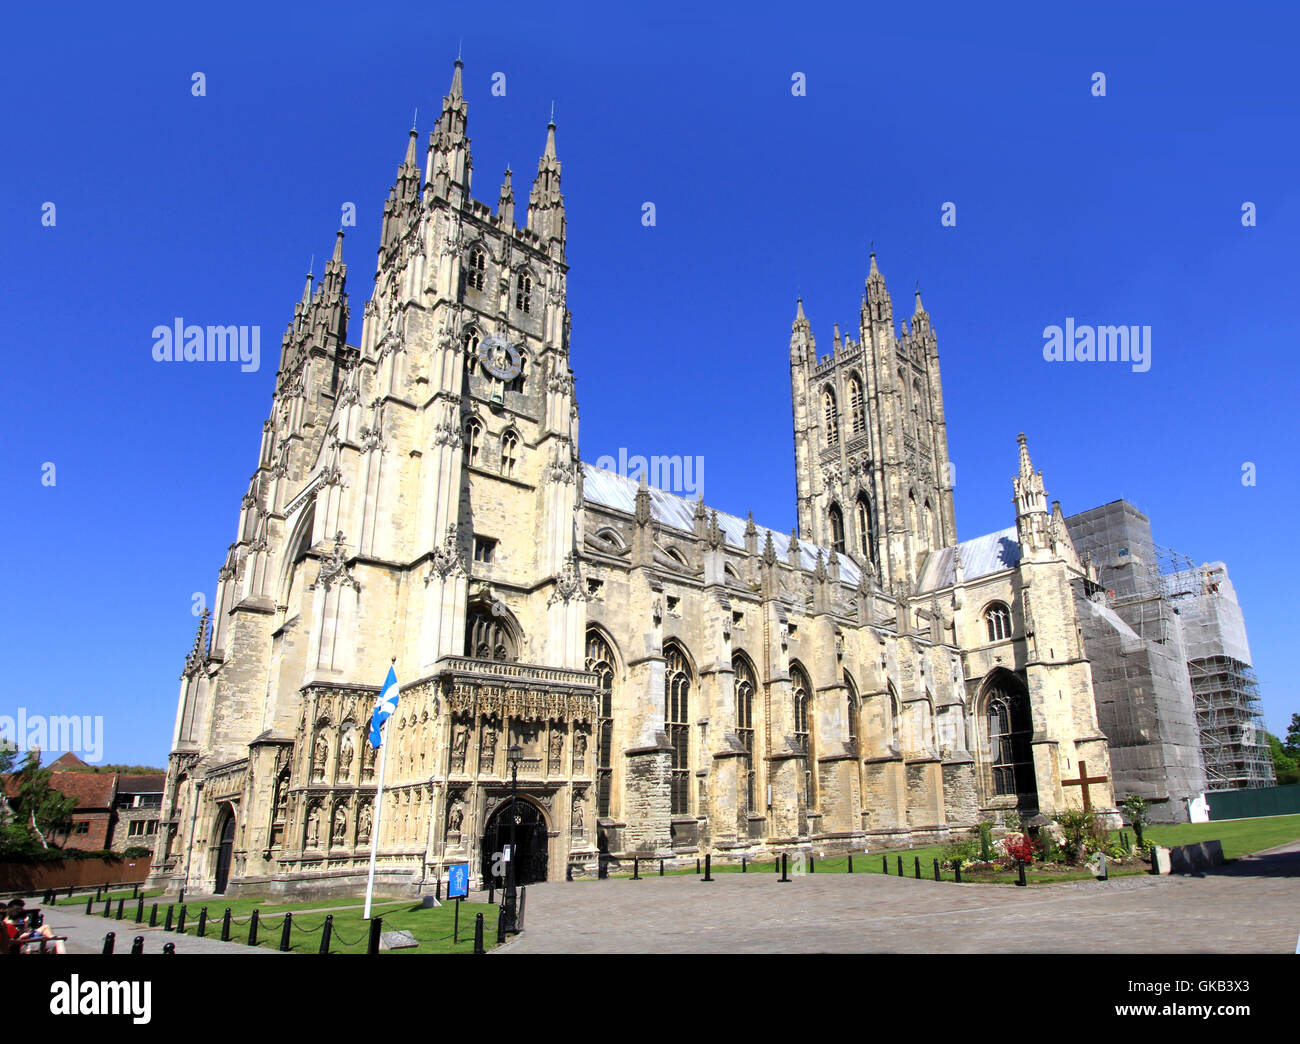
<point>1007,732</point>
<point>225,851</point>
<point>529,840</point>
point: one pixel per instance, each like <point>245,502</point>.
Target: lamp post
<point>514,754</point>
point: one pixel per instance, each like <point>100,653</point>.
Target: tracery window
<point>600,662</point>
<point>837,529</point>
<point>855,406</point>
<point>488,637</point>
<point>866,529</point>
<point>802,689</point>
<point>998,619</point>
<point>473,441</point>
<point>1009,735</point>
<point>677,691</point>
<point>831,415</point>
<point>509,452</point>
<point>476,272</point>
<point>524,292</point>
<point>744,686</point>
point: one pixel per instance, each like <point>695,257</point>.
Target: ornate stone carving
<point>568,585</point>
<point>446,560</point>
<point>334,569</point>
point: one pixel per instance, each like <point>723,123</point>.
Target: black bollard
<point>936,869</point>
<point>437,888</point>
<point>169,948</point>
<point>1020,865</point>
<point>708,868</point>
<point>327,930</point>
<point>743,868</point>
<point>785,868</point>
<point>137,945</point>
<point>181,898</point>
<point>568,872</point>
<point>812,863</point>
<point>850,862</point>
<point>153,916</point>
<point>90,905</point>
<point>956,869</point>
<point>376,930</point>
<point>523,905</point>
<point>98,892</point>
<point>139,911</point>
<point>225,926</point>
<point>288,927</point>
<point>697,864</point>
<point>180,924</point>
<point>108,907</point>
<point>501,925</point>
<point>661,868</point>
<point>108,942</point>
<point>492,894</point>
<point>478,934</point>
<point>135,891</point>
<point>168,926</point>
<point>918,868</point>
<point>884,864</point>
<point>900,866</point>
<point>636,868</point>
<point>252,929</point>
<point>202,929</point>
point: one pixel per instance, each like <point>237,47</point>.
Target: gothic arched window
<point>524,292</point>
<point>802,690</point>
<point>471,348</point>
<point>744,685</point>
<point>488,636</point>
<point>517,385</point>
<point>509,452</point>
<point>837,529</point>
<point>473,441</point>
<point>476,270</point>
<point>859,418</point>
<point>1009,731</point>
<point>931,530</point>
<point>853,709</point>
<point>918,406</point>
<point>998,619</point>
<point>600,662</point>
<point>677,694</point>
<point>831,416</point>
<point>866,529</point>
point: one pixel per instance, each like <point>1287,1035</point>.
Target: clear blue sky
<point>1122,209</point>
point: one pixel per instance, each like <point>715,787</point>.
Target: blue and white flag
<point>384,707</point>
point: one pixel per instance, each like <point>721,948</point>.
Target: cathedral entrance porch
<point>530,844</point>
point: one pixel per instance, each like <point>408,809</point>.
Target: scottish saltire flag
<point>384,707</point>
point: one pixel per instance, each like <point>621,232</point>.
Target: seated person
<point>16,931</point>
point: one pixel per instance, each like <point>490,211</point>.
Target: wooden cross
<point>1083,781</point>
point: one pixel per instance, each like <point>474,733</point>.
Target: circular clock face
<point>499,357</point>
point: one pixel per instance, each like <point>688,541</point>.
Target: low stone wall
<point>29,878</point>
<point>1184,859</point>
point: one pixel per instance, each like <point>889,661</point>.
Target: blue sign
<point>458,881</point>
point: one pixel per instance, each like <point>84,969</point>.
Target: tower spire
<point>546,202</point>
<point>449,163</point>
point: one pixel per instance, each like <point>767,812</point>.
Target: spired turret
<point>545,201</point>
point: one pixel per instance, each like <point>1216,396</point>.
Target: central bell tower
<point>870,442</point>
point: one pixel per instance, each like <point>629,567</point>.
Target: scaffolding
<point>1231,725</point>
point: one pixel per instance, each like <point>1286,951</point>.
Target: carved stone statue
<point>281,796</point>
<point>321,756</point>
<point>364,819</point>
<point>456,817</point>
<point>367,761</point>
<point>459,741</point>
<point>340,824</point>
<point>313,826</point>
<point>489,745</point>
<point>557,746</point>
<point>580,749</point>
<point>577,815</point>
<point>345,757</point>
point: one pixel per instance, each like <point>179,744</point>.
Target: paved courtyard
<point>1250,906</point>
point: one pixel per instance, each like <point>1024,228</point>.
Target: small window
<point>83,827</point>
<point>737,619</point>
<point>477,269</point>
<point>674,602</point>
<point>485,549</point>
<point>794,630</point>
<point>998,618</point>
<point>524,293</point>
<point>473,441</point>
<point>594,587</point>
<point>509,452</point>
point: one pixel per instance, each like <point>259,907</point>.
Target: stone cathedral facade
<point>676,679</point>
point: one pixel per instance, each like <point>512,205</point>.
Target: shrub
<point>1135,807</point>
<point>1019,848</point>
<point>136,852</point>
<point>1080,827</point>
<point>986,840</point>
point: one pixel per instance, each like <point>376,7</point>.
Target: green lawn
<point>433,928</point>
<point>1239,837</point>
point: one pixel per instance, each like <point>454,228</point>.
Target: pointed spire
<point>338,248</point>
<point>799,317</point>
<point>879,305</point>
<point>409,160</point>
<point>545,201</point>
<point>506,201</point>
<point>835,340</point>
<point>449,163</point>
<point>1026,465</point>
<point>457,89</point>
<point>920,308</point>
<point>769,550</point>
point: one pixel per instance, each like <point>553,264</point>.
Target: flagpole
<point>374,832</point>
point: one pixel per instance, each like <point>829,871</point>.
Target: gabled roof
<point>982,556</point>
<point>607,489</point>
<point>144,784</point>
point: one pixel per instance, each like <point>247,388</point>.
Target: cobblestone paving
<point>1251,906</point>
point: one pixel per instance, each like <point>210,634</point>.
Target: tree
<point>1285,767</point>
<point>1292,743</point>
<point>1135,807</point>
<point>38,807</point>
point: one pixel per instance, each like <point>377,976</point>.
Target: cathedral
<point>655,677</point>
